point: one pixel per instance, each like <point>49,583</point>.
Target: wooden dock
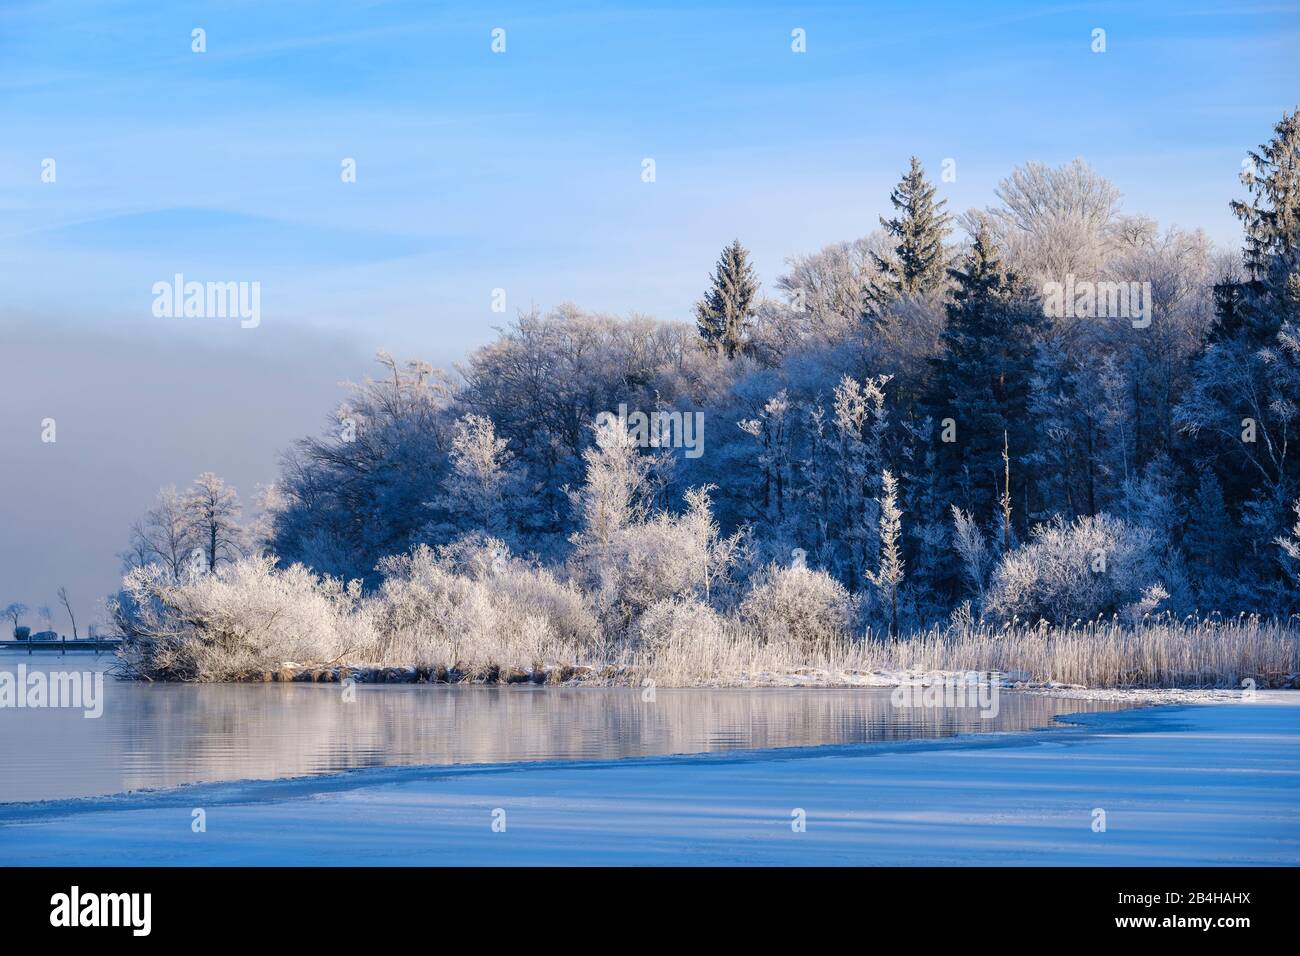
<point>98,645</point>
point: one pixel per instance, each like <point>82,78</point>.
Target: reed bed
<point>1190,653</point>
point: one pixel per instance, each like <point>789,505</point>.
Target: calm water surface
<point>161,735</point>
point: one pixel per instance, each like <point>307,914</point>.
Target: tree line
<point>903,414</point>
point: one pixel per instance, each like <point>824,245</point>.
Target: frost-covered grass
<point>453,611</point>
<point>1194,653</point>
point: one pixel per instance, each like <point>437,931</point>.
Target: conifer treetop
<point>918,263</point>
<point>724,314</point>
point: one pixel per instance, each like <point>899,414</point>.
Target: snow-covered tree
<point>483,485</point>
<point>355,493</point>
<point>617,490</point>
<point>165,535</point>
<point>917,262</point>
<point>1056,221</point>
<point>888,576</point>
<point>969,543</point>
<point>981,386</point>
<point>211,513</point>
<point>724,314</point>
<point>861,423</point>
<point>771,429</point>
<point>1243,407</point>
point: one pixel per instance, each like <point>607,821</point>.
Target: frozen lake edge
<point>1185,784</point>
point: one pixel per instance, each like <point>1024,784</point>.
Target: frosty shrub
<point>657,559</point>
<point>497,610</point>
<point>683,641</point>
<point>803,608</point>
<point>674,623</point>
<point>1077,571</point>
<point>244,617</point>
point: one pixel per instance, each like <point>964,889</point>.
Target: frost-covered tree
<point>969,543</point>
<point>356,493</point>
<point>982,376</point>
<point>617,491</point>
<point>917,262</point>
<point>211,512</point>
<point>724,314</point>
<point>1290,546</point>
<point>1271,221</point>
<point>15,611</point>
<point>546,378</point>
<point>888,576</point>
<point>861,424</point>
<point>826,294</point>
<point>482,487</point>
<point>645,559</point>
<point>1056,221</point>
<point>1243,407</point>
<point>771,430</point>
<point>164,535</point>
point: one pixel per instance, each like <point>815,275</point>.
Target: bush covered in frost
<point>244,617</point>
<point>472,604</point>
<point>1092,566</point>
<point>799,606</point>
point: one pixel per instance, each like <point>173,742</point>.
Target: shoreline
<point>615,675</point>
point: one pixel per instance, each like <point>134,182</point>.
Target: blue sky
<point>519,171</point>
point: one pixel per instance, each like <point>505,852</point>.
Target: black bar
<point>949,907</point>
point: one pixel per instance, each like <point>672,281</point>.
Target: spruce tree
<point>1271,220</point>
<point>1253,307</point>
<point>918,262</point>
<point>1241,408</point>
<point>723,315</point>
<point>982,378</point>
<point>1250,367</point>
<point>1209,539</point>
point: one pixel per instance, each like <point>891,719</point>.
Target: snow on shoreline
<point>1019,681</point>
<point>1185,784</point>
<point>577,675</point>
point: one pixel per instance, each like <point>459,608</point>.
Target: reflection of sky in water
<point>157,735</point>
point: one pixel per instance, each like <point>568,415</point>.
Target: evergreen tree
<point>982,378</point>
<point>918,262</point>
<point>1242,405</point>
<point>1270,294</point>
<point>1209,540</point>
<point>724,314</point>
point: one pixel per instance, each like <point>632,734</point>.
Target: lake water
<point>162,735</point>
